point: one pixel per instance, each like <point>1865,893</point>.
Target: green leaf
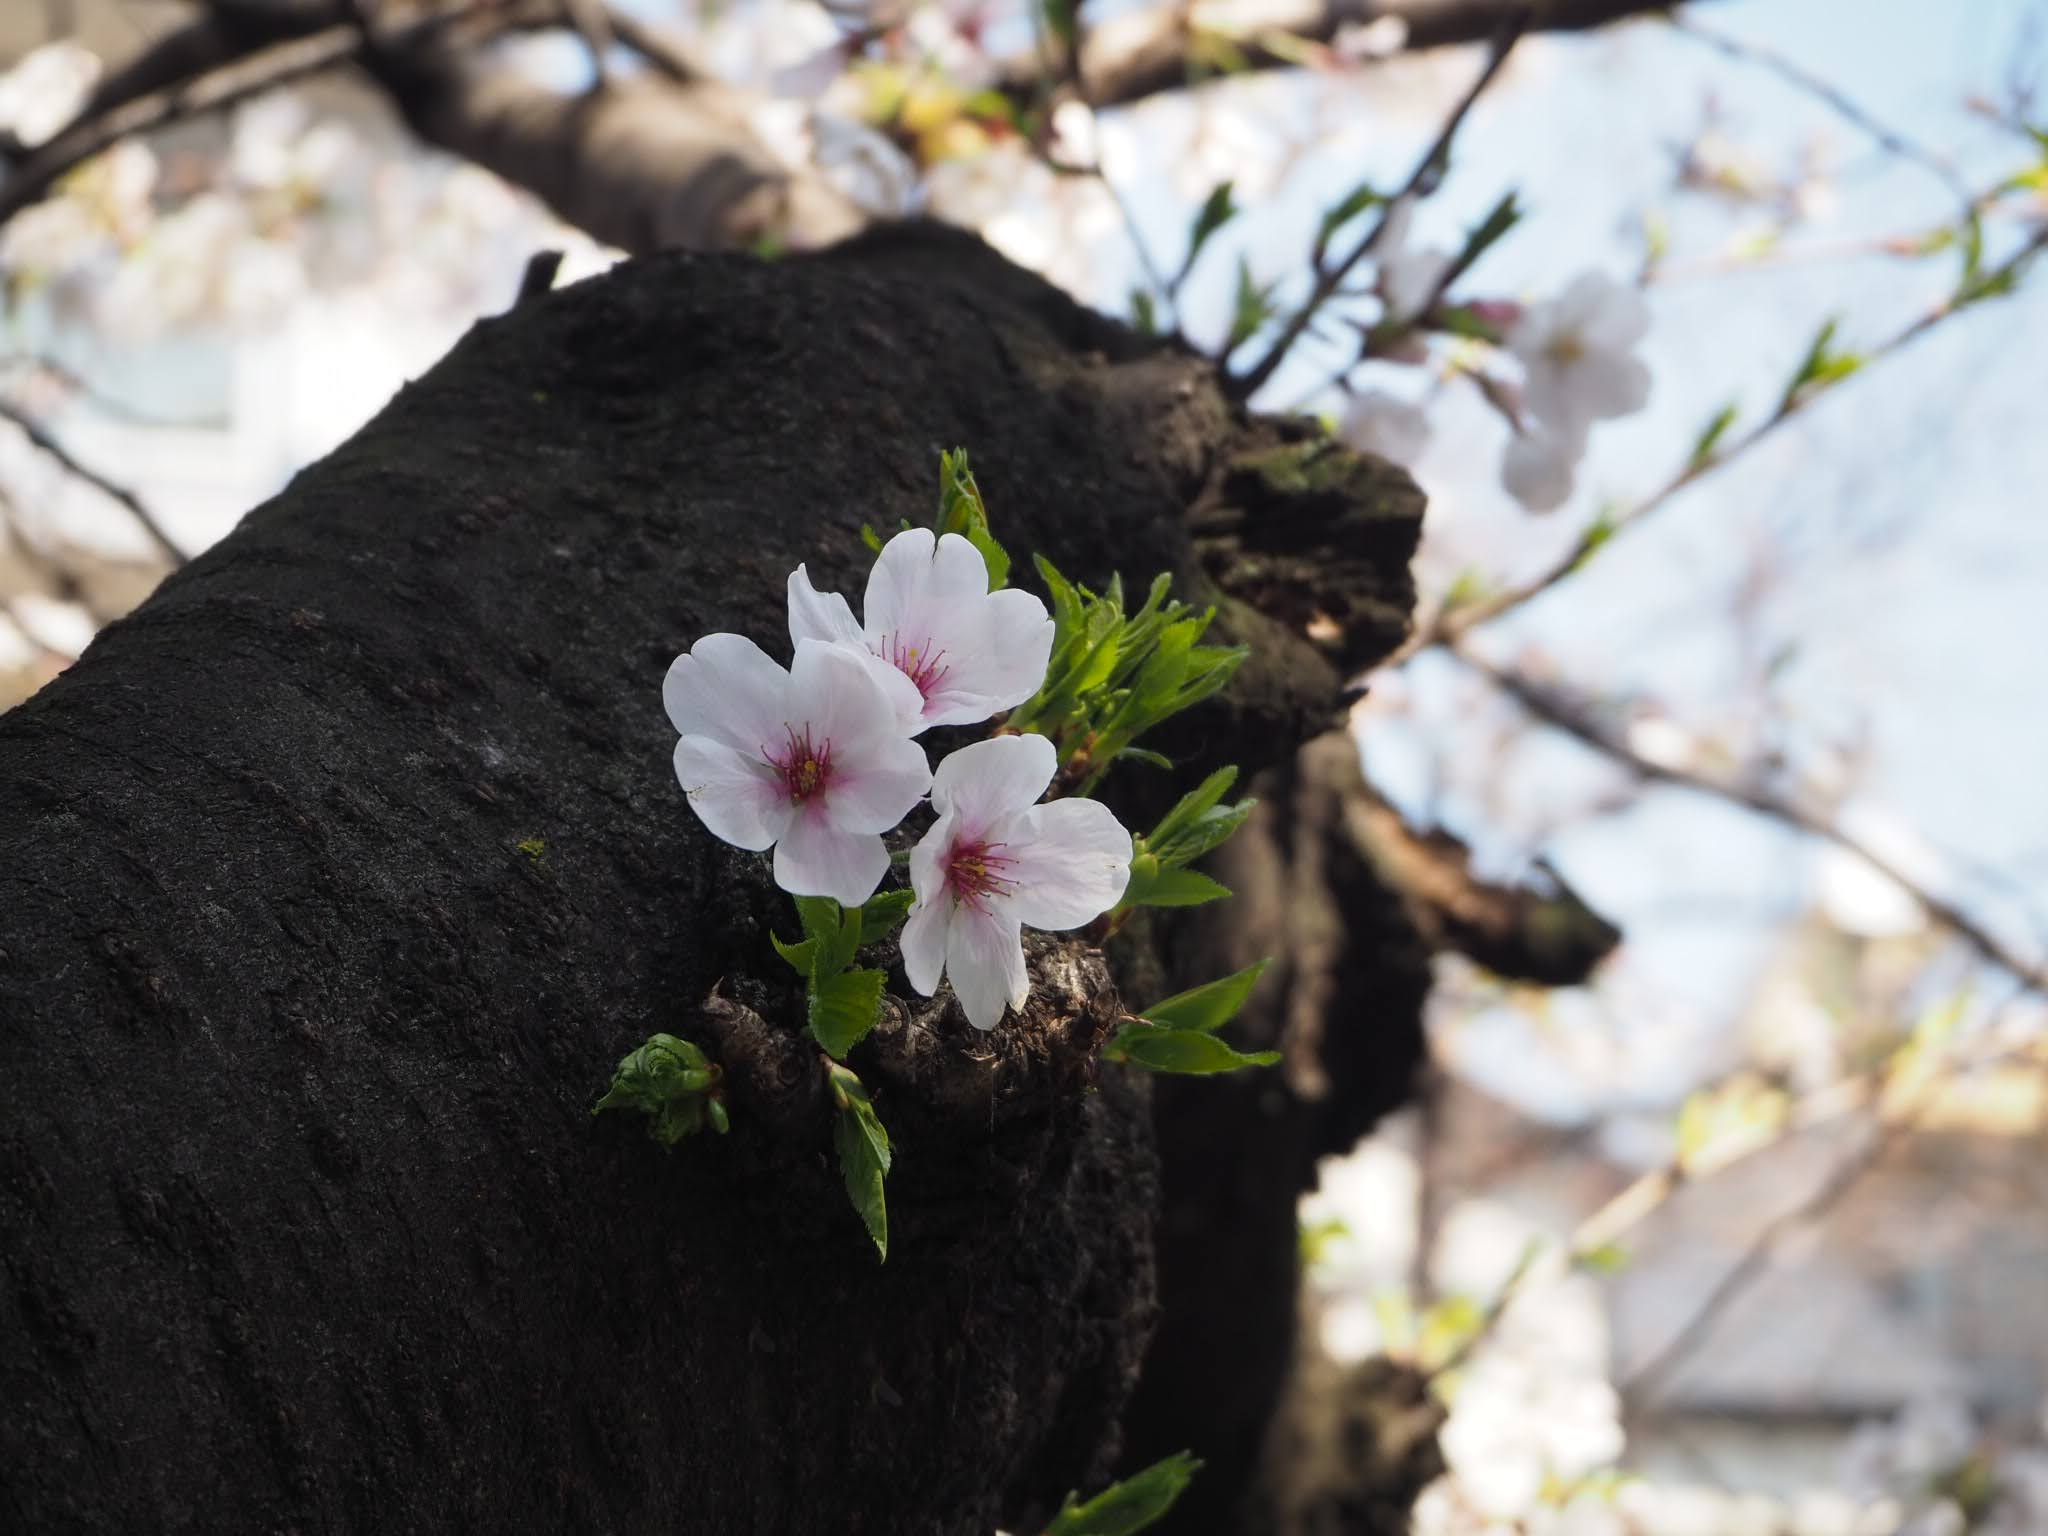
<point>1502,217</point>
<point>1710,436</point>
<point>1354,202</point>
<point>1598,532</point>
<point>962,511</point>
<point>1216,211</point>
<point>1250,308</point>
<point>843,1008</point>
<point>669,1080</point>
<point>884,912</point>
<point>1124,1508</point>
<point>1209,1006</point>
<point>872,539</point>
<point>1181,888</point>
<point>1144,312</point>
<point>820,917</point>
<point>1821,367</point>
<point>1146,755</point>
<point>863,1148</point>
<point>1193,804</point>
<point>798,954</point>
<point>1606,1259</point>
<point>1182,1050</point>
<point>1062,20</point>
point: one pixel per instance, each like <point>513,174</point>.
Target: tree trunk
<point>338,877</point>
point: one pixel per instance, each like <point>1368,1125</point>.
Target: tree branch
<point>35,432</point>
<point>1330,278</point>
<point>1568,716</point>
<point>1159,50</point>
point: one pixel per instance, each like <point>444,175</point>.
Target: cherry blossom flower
<point>931,618</point>
<point>1537,468</point>
<point>1407,276</point>
<point>809,761</point>
<point>1576,355</point>
<point>1385,424</point>
<point>996,861</point>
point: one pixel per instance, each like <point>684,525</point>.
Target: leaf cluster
<point>673,1083</point>
<point>1115,675</point>
<point>1179,1033</point>
<point>1123,1509</point>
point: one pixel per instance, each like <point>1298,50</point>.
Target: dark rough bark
<point>337,877</point>
<point>1343,1001</point>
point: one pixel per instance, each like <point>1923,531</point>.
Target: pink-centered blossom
<point>1577,354</point>
<point>968,653</point>
<point>996,862</point>
<point>809,761</point>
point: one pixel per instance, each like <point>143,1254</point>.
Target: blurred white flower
<point>1407,276</point>
<point>42,93</point>
<point>1930,1436</point>
<point>181,272</point>
<point>1385,424</point>
<point>1381,38</point>
<point>1942,1518</point>
<point>1538,465</point>
<point>2022,1506</point>
<point>1576,354</point>
<point>1513,1428</point>
<point>865,166</point>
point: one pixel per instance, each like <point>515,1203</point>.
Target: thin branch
<point>542,267</point>
<point>649,42</point>
<point>1832,97</point>
<point>34,431</point>
<point>1159,50</point>
<point>1564,714</point>
<point>1330,278</point>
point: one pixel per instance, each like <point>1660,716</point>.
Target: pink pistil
<point>805,769</point>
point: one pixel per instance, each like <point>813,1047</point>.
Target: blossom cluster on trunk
<point>818,762</point>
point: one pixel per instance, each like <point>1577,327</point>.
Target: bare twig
<point>1831,96</point>
<point>34,431</point>
<point>591,21</point>
<point>1553,709</point>
<point>1330,278</point>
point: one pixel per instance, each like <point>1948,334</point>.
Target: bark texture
<point>337,877</point>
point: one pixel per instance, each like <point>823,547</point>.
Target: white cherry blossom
<point>1577,358</point>
<point>808,761</point>
<point>1537,468</point>
<point>1385,424</point>
<point>1407,276</point>
<point>968,653</point>
<point>995,862</point>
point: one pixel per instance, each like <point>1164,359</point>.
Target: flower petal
<point>875,782</point>
<point>1609,384</point>
<point>1537,470</point>
<point>727,688</point>
<point>897,581</point>
<point>1069,863</point>
<point>985,959</point>
<point>844,696</point>
<point>1619,320</point>
<point>815,615</point>
<point>998,666</point>
<point>994,778</point>
<point>739,797</point>
<point>815,858</point>
<point>927,866</point>
<point>924,942</point>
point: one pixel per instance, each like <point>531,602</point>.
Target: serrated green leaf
<point>843,1008</point>
<point>820,917</point>
<point>962,511</point>
<point>1209,1006</point>
<point>798,954</point>
<point>1185,1051</point>
<point>863,1148</point>
<point>1125,1508</point>
<point>1183,888</point>
<point>884,912</point>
